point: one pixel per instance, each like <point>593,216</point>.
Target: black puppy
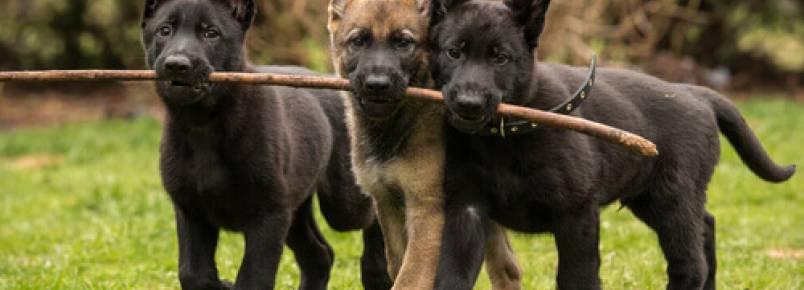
<point>555,181</point>
<point>248,159</point>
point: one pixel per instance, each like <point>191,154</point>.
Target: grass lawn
<point>81,207</point>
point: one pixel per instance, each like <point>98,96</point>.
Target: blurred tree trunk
<point>68,26</point>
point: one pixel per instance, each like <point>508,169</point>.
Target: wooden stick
<point>631,141</point>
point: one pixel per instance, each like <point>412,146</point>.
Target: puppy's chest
<point>512,173</point>
<point>517,178</point>
<point>208,173</point>
<point>514,195</point>
<point>417,167</point>
<point>211,186</point>
<point>208,170</point>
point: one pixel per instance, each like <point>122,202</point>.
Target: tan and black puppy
<point>398,143</point>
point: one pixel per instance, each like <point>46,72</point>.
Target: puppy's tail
<point>743,139</point>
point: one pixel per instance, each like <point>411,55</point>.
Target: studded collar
<point>520,127</point>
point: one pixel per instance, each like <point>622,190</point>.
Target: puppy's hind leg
<point>344,205</point>
<point>313,255</point>
<point>373,264</point>
<point>709,247</point>
<point>501,262</point>
<point>680,227</point>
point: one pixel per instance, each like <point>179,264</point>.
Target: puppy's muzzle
<point>380,94</point>
<point>378,84</point>
<point>471,105</point>
<point>184,80</point>
<point>469,111</point>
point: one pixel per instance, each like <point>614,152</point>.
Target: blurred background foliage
<point>720,43</point>
<point>715,42</point>
<point>81,204</point>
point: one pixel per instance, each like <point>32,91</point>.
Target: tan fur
<point>412,233</point>
<point>382,17</point>
<point>370,175</point>
<point>413,230</point>
<point>419,172</point>
<point>392,221</point>
<point>501,263</point>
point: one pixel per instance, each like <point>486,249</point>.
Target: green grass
<point>81,207</point>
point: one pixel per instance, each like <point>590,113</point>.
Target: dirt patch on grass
<point>36,161</point>
<point>53,104</point>
<point>782,253</point>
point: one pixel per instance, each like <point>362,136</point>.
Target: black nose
<point>470,105</point>
<point>378,83</point>
<point>177,64</point>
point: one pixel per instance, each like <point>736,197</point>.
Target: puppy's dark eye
<point>454,53</point>
<point>358,41</point>
<point>501,59</point>
<point>404,44</point>
<point>165,31</point>
<point>211,34</point>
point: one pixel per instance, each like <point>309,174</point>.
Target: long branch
<point>631,141</point>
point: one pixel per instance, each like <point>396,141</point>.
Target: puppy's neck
<point>546,89</point>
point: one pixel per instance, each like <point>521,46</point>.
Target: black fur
<point>555,181</point>
<point>248,159</point>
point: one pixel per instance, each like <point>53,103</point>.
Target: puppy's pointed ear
<point>149,10</point>
<point>423,6</point>
<point>530,14</point>
<point>244,12</point>
<point>439,9</point>
<point>336,10</point>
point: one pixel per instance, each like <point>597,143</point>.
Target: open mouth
<point>471,119</point>
<point>179,84</point>
<point>196,87</point>
<point>379,108</point>
<point>184,92</point>
<point>378,101</point>
<point>468,124</point>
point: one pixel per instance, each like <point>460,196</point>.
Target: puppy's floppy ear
<point>530,14</point>
<point>243,11</point>
<point>439,8</point>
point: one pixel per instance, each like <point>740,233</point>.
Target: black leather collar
<point>520,127</point>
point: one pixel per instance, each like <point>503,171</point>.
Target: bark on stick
<point>631,141</point>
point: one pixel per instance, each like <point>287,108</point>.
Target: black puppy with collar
<point>555,181</point>
<point>248,158</point>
